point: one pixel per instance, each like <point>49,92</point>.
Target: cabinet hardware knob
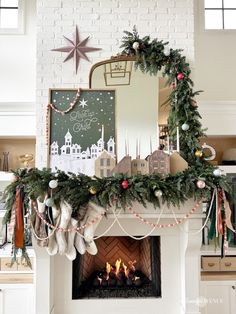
<point>233,287</point>
<point>211,264</point>
<point>8,265</point>
<point>228,264</point>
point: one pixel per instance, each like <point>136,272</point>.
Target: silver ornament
<point>185,127</point>
<point>53,184</point>
<point>49,202</point>
<point>135,45</point>
<point>166,51</point>
<point>158,193</point>
<point>217,172</point>
<point>201,184</point>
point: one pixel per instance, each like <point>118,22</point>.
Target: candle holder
<point>26,159</point>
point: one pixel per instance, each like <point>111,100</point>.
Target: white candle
<point>150,145</point>
<point>177,139</point>
<point>158,136</point>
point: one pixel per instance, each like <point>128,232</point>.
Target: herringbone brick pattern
<point>112,248</point>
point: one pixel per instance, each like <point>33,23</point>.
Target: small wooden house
<point>159,163</point>
<point>139,166</point>
<point>104,164</point>
<point>123,166</point>
<point>177,163</point>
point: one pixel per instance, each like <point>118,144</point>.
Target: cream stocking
<point>71,252</point>
<point>66,211</point>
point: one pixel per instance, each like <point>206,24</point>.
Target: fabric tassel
<point>216,215</point>
<point>219,214</point>
<point>228,213</point>
<point>213,219</point>
<point>226,243</point>
<point>19,219</point>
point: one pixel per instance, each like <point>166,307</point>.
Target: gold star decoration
<point>77,49</point>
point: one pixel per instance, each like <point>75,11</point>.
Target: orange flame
<point>118,262</point>
<point>126,270</point>
<point>108,270</point>
<point>131,265</point>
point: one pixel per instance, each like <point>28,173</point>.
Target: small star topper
<point>77,49</point>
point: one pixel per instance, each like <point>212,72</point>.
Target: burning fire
<point>108,270</point>
<point>119,274</point>
<point>118,262</point>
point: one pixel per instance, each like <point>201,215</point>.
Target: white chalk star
<point>83,103</point>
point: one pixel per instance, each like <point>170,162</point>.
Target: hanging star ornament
<point>77,49</point>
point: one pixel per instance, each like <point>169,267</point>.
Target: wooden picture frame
<point>82,140</point>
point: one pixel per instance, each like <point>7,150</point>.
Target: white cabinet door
<point>16,299</point>
<point>218,297</point>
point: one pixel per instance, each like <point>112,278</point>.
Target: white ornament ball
<point>158,193</point>
<point>49,202</point>
<point>135,45</point>
<point>185,127</point>
<point>167,51</point>
<point>201,184</point>
<point>53,184</point>
<point>217,172</point>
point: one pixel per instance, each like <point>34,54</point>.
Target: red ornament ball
<point>201,184</point>
<point>180,76</point>
<point>125,184</point>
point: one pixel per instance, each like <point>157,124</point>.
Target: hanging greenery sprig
<point>153,56</point>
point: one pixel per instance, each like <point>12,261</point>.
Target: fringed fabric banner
<point>19,223</point>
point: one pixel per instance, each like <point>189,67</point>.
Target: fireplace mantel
<point>180,267</point>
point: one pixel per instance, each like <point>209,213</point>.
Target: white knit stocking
<point>71,252</point>
<point>93,213</point>
<point>66,211</point>
<point>80,244</point>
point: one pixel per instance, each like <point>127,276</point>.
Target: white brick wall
<point>105,21</point>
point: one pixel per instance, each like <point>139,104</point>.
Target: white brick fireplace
<point>105,20</point>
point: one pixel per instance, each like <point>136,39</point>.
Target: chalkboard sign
<point>78,138</point>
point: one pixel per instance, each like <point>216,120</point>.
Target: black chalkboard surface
<point>78,137</point>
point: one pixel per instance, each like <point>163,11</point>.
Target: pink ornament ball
<point>125,184</point>
<point>180,76</point>
<point>201,184</point>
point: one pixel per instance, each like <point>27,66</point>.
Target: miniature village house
<point>139,166</point>
<point>73,157</point>
<point>104,164</point>
<point>124,166</point>
<point>159,163</point>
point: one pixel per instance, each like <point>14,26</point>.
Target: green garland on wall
<point>151,58</point>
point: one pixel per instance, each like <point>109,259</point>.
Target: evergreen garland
<point>150,57</point>
<point>75,189</point>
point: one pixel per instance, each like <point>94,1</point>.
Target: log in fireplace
<point>123,268</point>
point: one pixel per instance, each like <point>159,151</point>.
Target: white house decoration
<point>71,158</point>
